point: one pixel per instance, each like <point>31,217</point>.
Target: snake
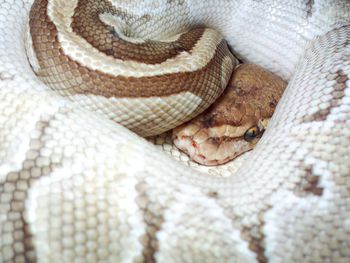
<point>236,121</point>
<point>76,186</point>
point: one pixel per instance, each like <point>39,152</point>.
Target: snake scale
<point>77,187</point>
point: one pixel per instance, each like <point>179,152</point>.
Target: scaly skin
<point>77,187</point>
<point>236,121</point>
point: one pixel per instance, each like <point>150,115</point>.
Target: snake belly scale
<point>78,187</point>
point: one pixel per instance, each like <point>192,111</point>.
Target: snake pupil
<point>251,133</point>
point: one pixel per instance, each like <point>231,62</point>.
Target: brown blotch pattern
<point>14,191</point>
<point>253,234</point>
<point>309,184</point>
<point>153,222</point>
<point>256,238</point>
<point>213,194</point>
<point>337,95</point>
<point>87,24</point>
<point>69,77</point>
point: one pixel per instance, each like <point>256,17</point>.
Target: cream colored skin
<point>204,145</point>
<point>88,189</point>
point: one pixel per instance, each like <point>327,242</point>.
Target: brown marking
<point>309,184</point>
<point>253,234</point>
<point>58,70</point>
<point>337,95</point>
<point>256,238</point>
<point>321,115</point>
<point>19,184</point>
<point>86,23</point>
<point>153,221</point>
<point>256,245</point>
<point>213,194</point>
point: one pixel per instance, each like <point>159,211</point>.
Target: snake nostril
<point>208,121</point>
<point>273,104</point>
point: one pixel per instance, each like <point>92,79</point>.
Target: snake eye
<point>251,133</point>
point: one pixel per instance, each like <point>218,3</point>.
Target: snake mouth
<point>210,151</point>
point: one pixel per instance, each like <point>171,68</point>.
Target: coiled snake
<point>77,187</point>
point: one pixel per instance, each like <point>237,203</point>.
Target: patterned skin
<point>77,187</point>
<point>148,85</point>
<point>236,121</point>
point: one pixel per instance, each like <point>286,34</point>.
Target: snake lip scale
<point>76,186</point>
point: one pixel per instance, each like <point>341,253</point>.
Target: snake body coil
<point>77,187</point>
<point>86,53</point>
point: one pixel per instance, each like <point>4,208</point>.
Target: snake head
<point>236,121</point>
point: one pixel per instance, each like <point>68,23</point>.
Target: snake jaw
<point>205,146</point>
<point>215,145</point>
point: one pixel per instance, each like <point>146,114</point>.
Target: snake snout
<point>205,146</point>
